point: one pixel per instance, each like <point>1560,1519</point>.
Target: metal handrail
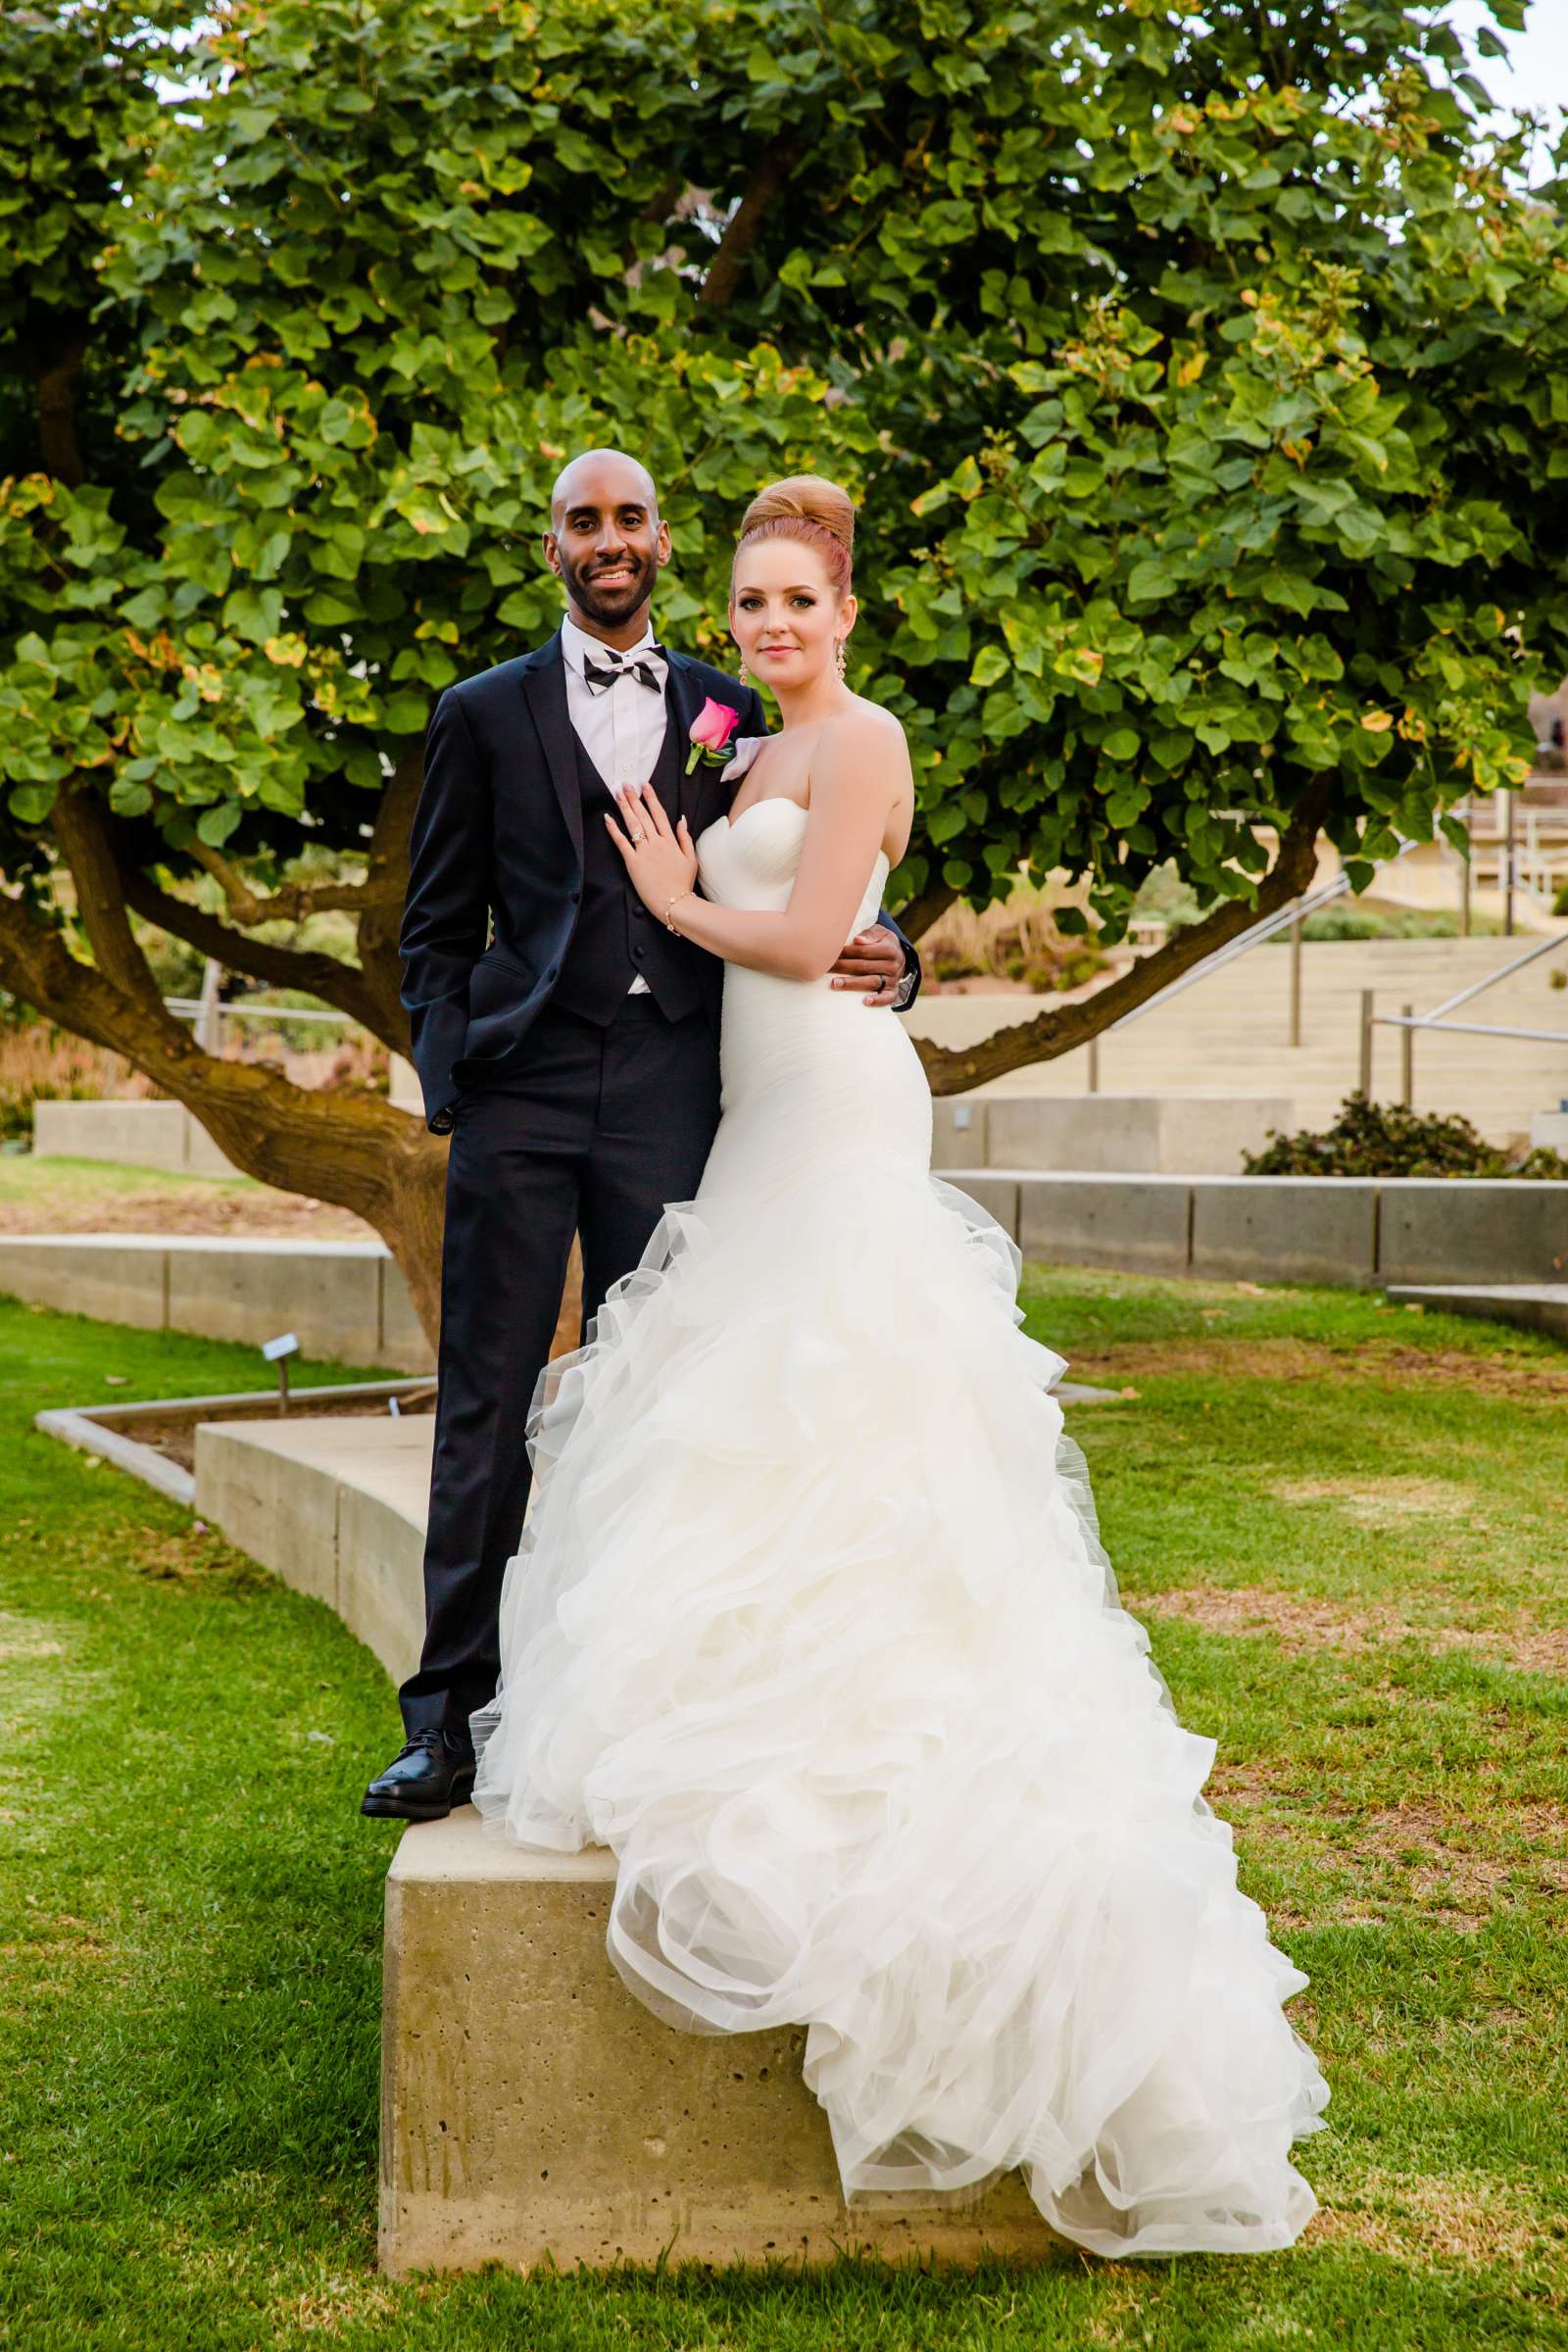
<point>1480,988</point>
<point>1408,1020</point>
<point>191,1009</point>
<point>1264,928</point>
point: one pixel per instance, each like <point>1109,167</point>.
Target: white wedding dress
<point>811,1623</point>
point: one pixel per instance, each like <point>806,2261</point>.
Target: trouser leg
<point>512,1203</point>
<point>657,1110</point>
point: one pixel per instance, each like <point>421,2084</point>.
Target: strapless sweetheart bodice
<point>752,860</point>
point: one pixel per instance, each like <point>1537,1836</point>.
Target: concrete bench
<point>336,1508</point>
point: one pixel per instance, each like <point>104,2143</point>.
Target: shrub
<point>1015,940</point>
<point>1344,920</point>
<point>40,1064</point>
<point>1383,1139</point>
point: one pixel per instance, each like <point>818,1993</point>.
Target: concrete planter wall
<point>136,1135</point>
<point>346,1301</point>
<point>1316,1229</point>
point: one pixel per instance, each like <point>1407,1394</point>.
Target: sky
<point>1536,73</point>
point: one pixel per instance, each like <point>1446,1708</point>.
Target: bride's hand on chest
<point>661,860</point>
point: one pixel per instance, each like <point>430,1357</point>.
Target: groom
<point>573,1059</point>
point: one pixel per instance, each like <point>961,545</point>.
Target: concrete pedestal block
<point>532,2108</point>
<point>1138,1223</point>
<point>1285,1229</point>
<point>1163,1135</point>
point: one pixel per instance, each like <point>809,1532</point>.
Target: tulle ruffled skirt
<point>811,1625</point>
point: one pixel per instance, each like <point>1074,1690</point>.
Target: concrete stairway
<point>1229,1034</point>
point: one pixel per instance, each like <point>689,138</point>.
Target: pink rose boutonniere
<point>710,731</point>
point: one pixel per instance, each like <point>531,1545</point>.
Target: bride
<point>838,1669</point>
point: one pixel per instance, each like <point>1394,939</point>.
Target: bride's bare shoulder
<point>864,727</point>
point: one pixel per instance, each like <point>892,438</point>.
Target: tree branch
<point>770,177</point>
<point>954,1071</point>
<point>379,924</point>
<point>55,388</point>
<point>336,983</point>
<point>353,1149</point>
<point>79,823</point>
<point>292,902</point>
<point>916,918</point>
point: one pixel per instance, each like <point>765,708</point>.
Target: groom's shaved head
<point>606,542</point>
<point>602,477</point>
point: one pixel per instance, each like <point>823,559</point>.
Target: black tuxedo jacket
<point>498,830</point>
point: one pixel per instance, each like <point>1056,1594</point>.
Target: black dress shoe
<point>424,1780</point>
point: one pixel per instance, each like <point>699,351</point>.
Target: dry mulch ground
<point>1299,1621</point>
<point>201,1208</point>
<point>174,1435</point>
<point>1312,1359</point>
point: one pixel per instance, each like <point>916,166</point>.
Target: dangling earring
<point>840,658</point>
<point>746,675</point>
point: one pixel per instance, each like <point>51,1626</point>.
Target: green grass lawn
<point>1344,1527</point>
<point>24,1180</point>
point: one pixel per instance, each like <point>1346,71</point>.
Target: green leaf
<point>30,804</point>
<point>214,825</point>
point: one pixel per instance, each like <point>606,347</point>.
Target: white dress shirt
<point>620,727</point>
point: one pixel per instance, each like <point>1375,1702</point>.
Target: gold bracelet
<point>675,901</point>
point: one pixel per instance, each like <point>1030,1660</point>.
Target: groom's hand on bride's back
<point>873,963</point>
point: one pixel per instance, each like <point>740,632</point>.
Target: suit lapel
<point>544,686</point>
<point>681,706</point>
<point>702,796</point>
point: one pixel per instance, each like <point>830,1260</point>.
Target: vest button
<point>639,910</point>
<point>637,955</point>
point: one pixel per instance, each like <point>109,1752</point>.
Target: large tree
<point>1199,376</point>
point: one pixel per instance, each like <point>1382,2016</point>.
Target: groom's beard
<point>611,606</point>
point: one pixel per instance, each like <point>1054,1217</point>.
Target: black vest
<point>616,938</point>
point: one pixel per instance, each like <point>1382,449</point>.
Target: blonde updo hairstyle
<point>806,508</point>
